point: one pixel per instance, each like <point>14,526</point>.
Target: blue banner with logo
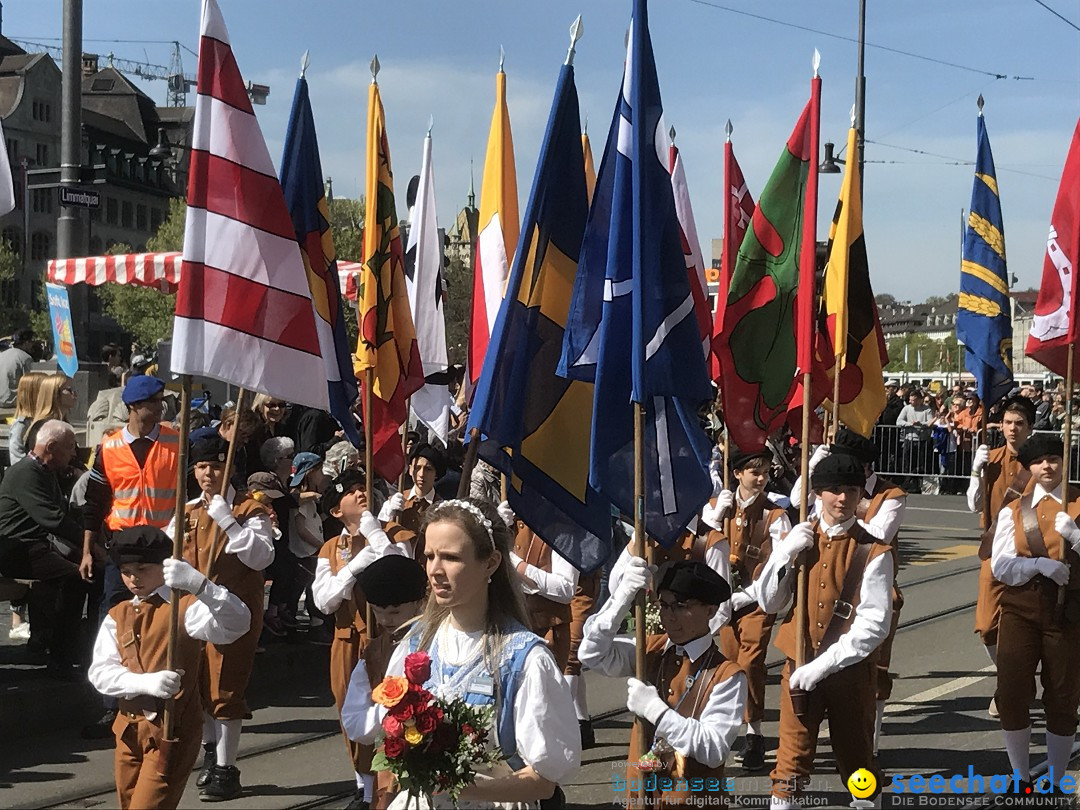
<point>63,335</point>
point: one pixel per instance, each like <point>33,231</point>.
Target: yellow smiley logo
<point>862,784</point>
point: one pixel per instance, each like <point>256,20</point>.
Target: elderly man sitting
<point>34,526</point>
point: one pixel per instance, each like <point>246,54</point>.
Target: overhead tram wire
<point>1064,19</point>
<point>959,161</point>
<point>923,57</point>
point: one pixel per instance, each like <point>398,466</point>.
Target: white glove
<point>1054,570</point>
<point>164,684</point>
<point>396,503</point>
<point>819,454</point>
<point>740,600</point>
<point>714,515</point>
<point>507,514</point>
<point>221,513</point>
<point>798,540</point>
<point>635,576</point>
<point>643,700</point>
<point>807,676</point>
<point>182,577</point>
<point>1067,528</point>
<point>978,461</point>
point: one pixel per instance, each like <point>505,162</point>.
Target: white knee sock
<point>209,729</point>
<point>776,803</point>
<point>754,727</point>
<point>577,691</point>
<point>880,715</point>
<point>228,743</point>
<point>991,652</point>
<point>366,782</point>
<point>1017,744</point>
<point>1058,754</point>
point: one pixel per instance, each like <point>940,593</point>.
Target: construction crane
<point>177,82</point>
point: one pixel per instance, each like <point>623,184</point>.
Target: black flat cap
<point>339,487</point>
<point>140,544</point>
<point>393,580</point>
<point>212,448</point>
<point>849,442</point>
<point>1039,446</point>
<point>838,470</point>
<point>690,579</point>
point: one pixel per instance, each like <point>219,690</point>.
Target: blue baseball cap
<point>141,388</point>
<point>302,464</point>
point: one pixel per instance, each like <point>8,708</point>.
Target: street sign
<point>80,197</point>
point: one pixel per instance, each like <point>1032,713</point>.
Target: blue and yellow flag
<point>301,179</point>
<point>536,424</point>
<point>984,318</point>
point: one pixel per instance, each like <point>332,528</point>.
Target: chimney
<point>89,64</point>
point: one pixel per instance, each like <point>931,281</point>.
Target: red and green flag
<point>758,345</point>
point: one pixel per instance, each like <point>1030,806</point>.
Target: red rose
<point>426,722</point>
<point>393,747</point>
<point>468,730</point>
<point>393,726</point>
<point>418,667</point>
<point>404,710</point>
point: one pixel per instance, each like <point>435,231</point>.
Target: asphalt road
<point>292,755</point>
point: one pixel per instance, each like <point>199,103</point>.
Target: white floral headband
<point>472,509</point>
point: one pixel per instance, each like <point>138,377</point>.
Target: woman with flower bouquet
<point>474,709</point>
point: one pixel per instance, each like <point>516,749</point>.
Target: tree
<point>884,299</point>
<point>457,309</point>
<point>145,313</point>
<point>937,355</point>
<point>936,301</point>
<point>15,317</point>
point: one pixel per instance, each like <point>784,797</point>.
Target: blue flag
<point>632,329</point>
<point>984,317</point>
<point>536,424</point>
<point>302,181</point>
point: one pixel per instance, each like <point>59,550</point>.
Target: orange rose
<point>390,692</point>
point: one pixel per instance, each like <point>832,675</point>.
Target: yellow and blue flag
<point>632,329</point>
<point>984,318</point>
<point>301,180</point>
<point>536,425</point>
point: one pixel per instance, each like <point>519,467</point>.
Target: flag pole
<point>369,474</point>
<point>230,458</point>
<point>178,541</point>
<point>469,464</point>
<point>1059,608</point>
<point>639,551</point>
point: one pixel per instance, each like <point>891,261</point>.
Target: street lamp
<point>831,163</point>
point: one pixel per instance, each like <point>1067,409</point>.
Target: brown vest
<point>142,636</point>
<point>751,543</point>
<point>869,507</point>
<point>691,546</point>
<point>199,531</point>
<point>407,526</point>
<point>1045,541</point>
<point>350,619</point>
<point>998,473</point>
<point>543,612</point>
<point>827,561</point>
<point>670,673</point>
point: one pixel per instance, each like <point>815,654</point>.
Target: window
<point>111,211</point>
<point>140,217</point>
<point>42,154</point>
<point>40,246</point>
<point>42,200</point>
<point>155,219</point>
<point>126,216</point>
<point>13,239</point>
<point>41,111</point>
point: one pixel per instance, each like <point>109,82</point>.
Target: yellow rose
<point>413,737</point>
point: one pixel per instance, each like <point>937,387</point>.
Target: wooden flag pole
<point>369,473</point>
<point>836,396</point>
<point>469,464</point>
<point>230,459</point>
<point>178,540</point>
<point>644,730</point>
<point>1066,464</point>
<point>801,613</point>
<point>986,516</point>
<point>404,453</point>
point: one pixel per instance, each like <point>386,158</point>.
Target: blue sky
<point>439,59</point>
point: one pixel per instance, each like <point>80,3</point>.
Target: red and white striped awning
<point>161,270</point>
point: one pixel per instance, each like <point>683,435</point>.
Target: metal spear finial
<point>502,59</point>
<point>671,134</point>
<point>576,30</point>
<point>816,62</point>
<point>980,102</point>
<point>585,129</point>
<point>853,115</point>
<point>430,124</point>
<point>728,129</point>
<point>305,60</point>
<point>375,69</point>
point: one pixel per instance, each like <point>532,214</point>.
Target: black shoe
<point>753,753</point>
<point>588,738</point>
<point>358,802</point>
<point>224,785</point>
<point>209,760</point>
<point>101,730</point>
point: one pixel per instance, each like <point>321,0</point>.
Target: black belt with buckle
<point>843,609</point>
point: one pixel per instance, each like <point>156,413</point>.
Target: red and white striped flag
<point>695,264</point>
<point>244,312</point>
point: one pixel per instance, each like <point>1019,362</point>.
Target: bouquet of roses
<point>431,745</point>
